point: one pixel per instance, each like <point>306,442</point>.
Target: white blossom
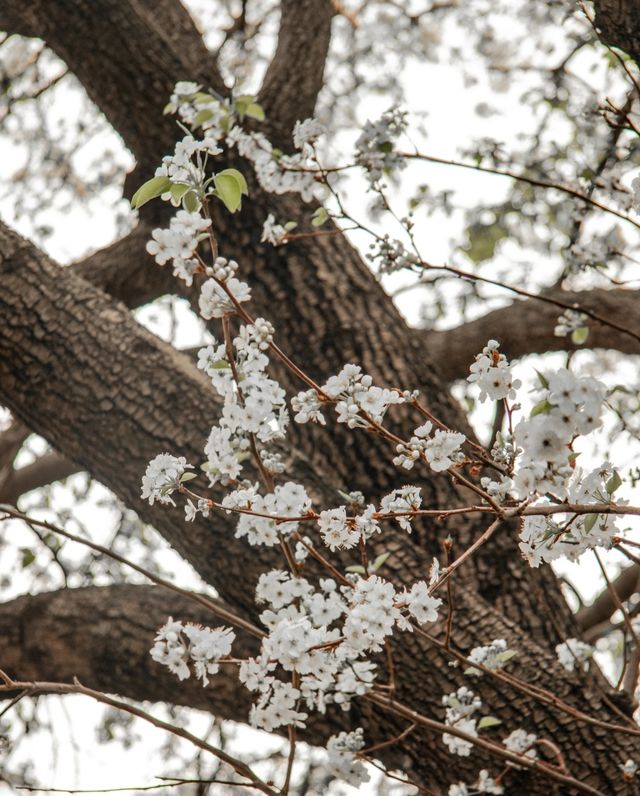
<point>342,763</point>
<point>177,644</point>
<point>306,132</point>
<point>492,373</point>
<point>573,652</point>
<point>162,477</point>
<point>273,232</point>
<point>421,605</point>
<point>215,302</point>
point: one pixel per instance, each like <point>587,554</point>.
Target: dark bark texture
<point>76,368</point>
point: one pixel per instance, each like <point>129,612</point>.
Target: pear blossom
<point>573,652</point>
<point>342,763</point>
<point>162,477</point>
<point>176,644</point>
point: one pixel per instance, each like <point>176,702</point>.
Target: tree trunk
<point>109,396</point>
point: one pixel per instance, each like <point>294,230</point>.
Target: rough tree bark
<point>76,368</point>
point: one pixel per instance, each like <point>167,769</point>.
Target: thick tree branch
<point>154,42</point>
<point>619,24</point>
<point>526,327</point>
<point>102,636</point>
<point>295,75</point>
<point>46,469</point>
<point>604,606</point>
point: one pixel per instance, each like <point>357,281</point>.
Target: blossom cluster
<point>324,634</point>
<point>177,644</point>
<point>544,538</point>
<point>356,399</point>
<point>254,404</point>
<point>460,707</point>
<point>492,656</point>
<point>375,148</point>
<point>441,451</point>
<point>573,652</point>
<point>178,243</point>
<point>339,531</point>
<point>162,477</point>
<point>492,374</point>
<point>569,406</point>
<point>342,764</point>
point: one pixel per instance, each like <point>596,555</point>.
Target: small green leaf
<point>202,116</point>
<point>319,217</point>
<point>290,225</point>
<point>542,408</point>
<point>149,190</point>
<point>255,111</point>
<point>187,477</point>
<point>238,176</point>
<point>230,186</point>
<point>190,202</point>
<point>579,336</point>
<point>379,561</point>
<point>488,721</point>
<point>28,557</point>
<point>505,656</point>
<point>543,379</point>
<point>589,521</point>
<point>178,190</point>
<point>356,568</point>
<point>614,482</point>
<point>246,105</point>
<point>473,671</point>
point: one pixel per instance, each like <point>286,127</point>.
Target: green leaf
<point>356,568</point>
<point>614,482</point>
<point>187,477</point>
<point>488,721</point>
<point>319,217</point>
<point>28,557</point>
<point>579,336</point>
<point>483,239</point>
<point>542,408</point>
<point>149,190</point>
<point>202,116</point>
<point>543,379</point>
<point>255,111</point>
<point>473,671</point>
<point>230,187</point>
<point>379,561</point>
<point>589,521</point>
<point>190,202</point>
<point>246,105</point>
<point>505,656</point>
<point>178,190</point>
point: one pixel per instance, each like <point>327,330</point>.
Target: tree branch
<point>619,23</point>
<point>46,469</point>
<point>102,635</point>
<point>526,327</point>
<point>604,606</point>
<point>120,50</point>
<point>296,73</point>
